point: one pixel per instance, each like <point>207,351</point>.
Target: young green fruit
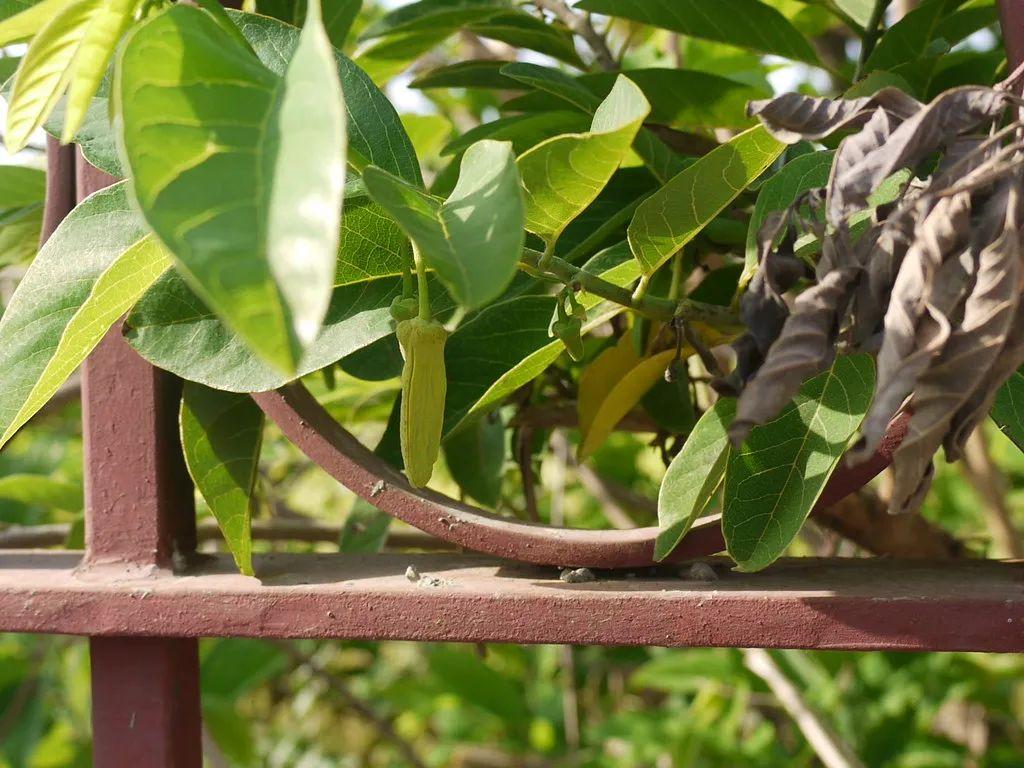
<point>404,308</point>
<point>423,392</point>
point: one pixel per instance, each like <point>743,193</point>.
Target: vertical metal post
<point>1011,18</point>
<point>139,514</point>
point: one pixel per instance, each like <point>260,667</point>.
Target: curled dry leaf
<point>932,284</point>
<point>792,117</point>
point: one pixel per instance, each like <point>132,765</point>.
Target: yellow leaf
<point>612,386</point>
<point>600,376</point>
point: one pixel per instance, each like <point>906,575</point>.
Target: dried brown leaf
<point>930,129</point>
<point>916,324</point>
<point>967,358</point>
<point>794,116</point>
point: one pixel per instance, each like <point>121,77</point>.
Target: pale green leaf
<point>907,39</point>
<point>90,272</point>
<point>375,134</point>
<point>774,479</point>
<point>673,215</point>
<point>45,71</point>
<point>28,22</point>
<point>743,23</point>
<point>564,174</point>
<point>693,476</point>
<point>42,491</point>
<point>21,185</point>
<point>221,434</point>
<point>109,21</point>
<point>233,176</point>
<point>305,162</point>
<point>473,240</point>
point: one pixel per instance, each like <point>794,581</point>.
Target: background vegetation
<point>396,704</point>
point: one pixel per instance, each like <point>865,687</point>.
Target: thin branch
<point>550,415</point>
<point>871,34</point>
<point>826,743</point>
<point>652,306</point>
<point>864,519</point>
<point>988,482</point>
<point>581,24</point>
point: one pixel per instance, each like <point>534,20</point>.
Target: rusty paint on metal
<point>869,604</point>
<point>145,694</point>
<point>60,185</point>
<point>139,511</point>
<point>312,429</point>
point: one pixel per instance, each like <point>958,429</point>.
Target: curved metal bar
<point>312,429</point>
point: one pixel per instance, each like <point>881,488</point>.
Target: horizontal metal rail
<point>797,603</point>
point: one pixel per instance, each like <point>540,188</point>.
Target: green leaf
<point>91,271</point>
<point>25,24</point>
<point>482,373</point>
<point>221,434</point>
<point>21,186</point>
<point>524,131</point>
<point>907,39</point>
<point>473,240</point>
<point>41,491</point>
<point>45,70</point>
<point>774,479</point>
<point>743,23</point>
<point>483,73</point>
<point>693,476</point>
<point>231,173</point>
<point>375,133</point>
<point>1008,409</point>
<point>524,30</point>
<point>365,528</point>
<point>446,15</point>
<point>673,215</point>
<point>475,456</point>
<point>810,171</point>
<point>338,15</point>
<point>110,20</point>
<point>564,174</point>
<point>858,10</point>
<point>558,83</point>
<point>681,98</point>
<point>173,329</point>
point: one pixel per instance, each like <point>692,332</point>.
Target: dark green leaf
<point>693,476</point>
<point>673,215</point>
<point>743,23</point>
<point>475,455</point>
<point>1008,409</point>
<point>774,479</point>
<point>221,434</point>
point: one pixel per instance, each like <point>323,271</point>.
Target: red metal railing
<point>143,596</point>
